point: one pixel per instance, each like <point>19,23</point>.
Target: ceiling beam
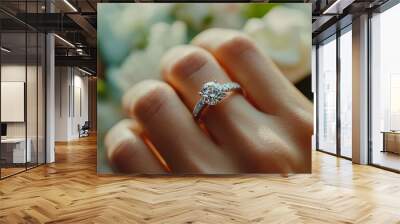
<point>85,25</point>
<point>81,61</point>
<point>320,22</point>
<point>337,7</point>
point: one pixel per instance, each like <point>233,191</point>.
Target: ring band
<point>211,94</point>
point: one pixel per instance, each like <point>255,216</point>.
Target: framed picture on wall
<point>12,101</point>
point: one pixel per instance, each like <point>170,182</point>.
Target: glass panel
<point>327,96</point>
<point>32,86</point>
<point>41,98</point>
<point>385,89</point>
<point>346,94</point>
<point>31,98</point>
<point>13,86</point>
<point>23,90</point>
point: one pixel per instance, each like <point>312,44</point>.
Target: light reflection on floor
<point>386,159</point>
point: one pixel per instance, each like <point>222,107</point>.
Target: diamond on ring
<point>211,94</point>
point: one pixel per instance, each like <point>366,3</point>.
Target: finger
<point>233,122</point>
<point>267,88</point>
<point>127,152</point>
<point>171,128</point>
<point>282,156</point>
<point>259,76</point>
<point>187,68</point>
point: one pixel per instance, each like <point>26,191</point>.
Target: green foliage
<point>142,42</point>
<point>101,88</point>
<point>257,10</point>
<point>207,20</point>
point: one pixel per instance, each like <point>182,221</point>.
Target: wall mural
<point>204,88</point>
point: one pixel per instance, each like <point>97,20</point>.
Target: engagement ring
<point>211,94</point>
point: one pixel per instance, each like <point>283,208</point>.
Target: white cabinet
<point>17,148</point>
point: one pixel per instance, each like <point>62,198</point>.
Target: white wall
<point>61,103</point>
<point>71,94</point>
<point>16,73</point>
<point>12,73</point>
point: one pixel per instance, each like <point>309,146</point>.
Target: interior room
<point>25,67</point>
<point>50,90</point>
<point>22,99</point>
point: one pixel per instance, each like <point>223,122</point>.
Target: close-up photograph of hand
<point>254,130</point>
<point>197,93</point>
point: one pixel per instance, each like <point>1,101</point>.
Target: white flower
<point>124,27</point>
<point>227,15</point>
<point>192,14</point>
<point>285,35</point>
<point>145,64</point>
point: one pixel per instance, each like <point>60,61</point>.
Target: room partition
<point>23,87</point>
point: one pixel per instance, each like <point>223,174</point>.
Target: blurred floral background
<point>133,37</point>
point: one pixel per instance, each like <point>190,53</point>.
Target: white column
<point>360,90</point>
<point>50,98</point>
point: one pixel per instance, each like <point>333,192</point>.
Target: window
<point>385,89</point>
<point>346,92</point>
<point>327,96</point>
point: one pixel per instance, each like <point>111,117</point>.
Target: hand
<point>265,130</point>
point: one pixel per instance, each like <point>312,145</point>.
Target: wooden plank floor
<point>69,191</point>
